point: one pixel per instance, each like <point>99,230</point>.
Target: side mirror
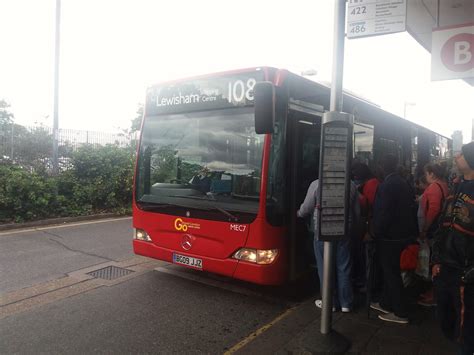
<point>264,94</point>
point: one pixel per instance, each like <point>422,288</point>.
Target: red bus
<point>213,195</point>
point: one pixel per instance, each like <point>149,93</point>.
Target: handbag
<point>409,257</point>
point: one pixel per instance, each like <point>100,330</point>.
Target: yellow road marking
<point>62,226</point>
<point>258,332</point>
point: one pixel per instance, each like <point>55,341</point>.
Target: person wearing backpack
<point>431,205</point>
<point>453,257</point>
<point>432,199</point>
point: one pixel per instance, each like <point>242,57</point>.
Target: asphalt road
<point>49,304</point>
<point>34,256</point>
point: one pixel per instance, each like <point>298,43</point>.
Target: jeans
<point>448,297</point>
<point>343,295</point>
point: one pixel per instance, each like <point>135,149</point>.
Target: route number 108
<point>238,90</point>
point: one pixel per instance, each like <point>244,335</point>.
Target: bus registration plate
<point>187,261</point>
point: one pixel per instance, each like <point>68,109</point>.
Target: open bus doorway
<point>304,130</point>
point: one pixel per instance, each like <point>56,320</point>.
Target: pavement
<point>353,333</point>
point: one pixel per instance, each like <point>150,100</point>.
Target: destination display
<point>203,94</point>
<point>336,144</point>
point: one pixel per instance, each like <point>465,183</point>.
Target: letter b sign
<point>452,53</point>
<point>457,54</point>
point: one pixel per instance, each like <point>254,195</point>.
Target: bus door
<point>304,134</point>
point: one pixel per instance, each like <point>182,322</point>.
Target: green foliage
<point>100,181</point>
<point>103,177</point>
<point>98,178</point>
<point>25,195</point>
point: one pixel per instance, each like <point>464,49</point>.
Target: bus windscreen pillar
<point>334,192</point>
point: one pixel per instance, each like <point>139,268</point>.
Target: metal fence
<point>18,142</point>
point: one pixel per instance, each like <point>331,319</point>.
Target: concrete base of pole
<point>333,342</point>
<point>311,341</point>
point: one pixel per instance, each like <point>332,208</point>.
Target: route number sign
<point>375,17</point>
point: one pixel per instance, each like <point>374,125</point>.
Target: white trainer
<point>319,304</point>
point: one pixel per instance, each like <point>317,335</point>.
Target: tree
<point>6,117</point>
<point>32,147</point>
<point>137,121</point>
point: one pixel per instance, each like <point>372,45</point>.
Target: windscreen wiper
<point>232,217</point>
<point>150,206</point>
<point>203,198</point>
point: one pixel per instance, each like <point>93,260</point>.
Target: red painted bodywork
<point>214,241</point>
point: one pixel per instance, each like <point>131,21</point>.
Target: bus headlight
<point>266,256</point>
<point>258,256</point>
<point>140,234</point>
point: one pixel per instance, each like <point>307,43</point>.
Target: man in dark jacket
<point>453,257</point>
<point>394,228</point>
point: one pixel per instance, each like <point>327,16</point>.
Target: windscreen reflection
<point>203,160</point>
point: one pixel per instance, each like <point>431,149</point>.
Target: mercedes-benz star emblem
<point>187,242</point>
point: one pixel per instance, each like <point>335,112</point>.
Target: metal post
<point>12,140</point>
<point>56,89</point>
<point>338,55</point>
<point>328,276</point>
<point>335,105</point>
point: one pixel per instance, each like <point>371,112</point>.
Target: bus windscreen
<point>206,161</point>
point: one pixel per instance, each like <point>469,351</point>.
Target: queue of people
<point>394,219</point>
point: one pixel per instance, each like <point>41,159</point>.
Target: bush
<point>103,177</point>
<point>25,195</point>
<point>100,181</point>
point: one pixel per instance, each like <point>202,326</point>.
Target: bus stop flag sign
<point>336,152</point>
<point>375,17</point>
<point>452,53</point>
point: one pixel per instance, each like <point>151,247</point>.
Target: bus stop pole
<point>335,105</point>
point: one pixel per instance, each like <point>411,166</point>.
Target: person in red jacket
<point>431,205</point>
<point>367,185</point>
<point>433,198</point>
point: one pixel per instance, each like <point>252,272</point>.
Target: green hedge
<point>100,181</point>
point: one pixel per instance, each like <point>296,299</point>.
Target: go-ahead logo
<point>183,226</point>
<point>179,225</point>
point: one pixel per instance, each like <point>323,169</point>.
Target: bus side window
<point>363,149</point>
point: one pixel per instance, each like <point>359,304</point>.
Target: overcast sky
<point>111,50</point>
